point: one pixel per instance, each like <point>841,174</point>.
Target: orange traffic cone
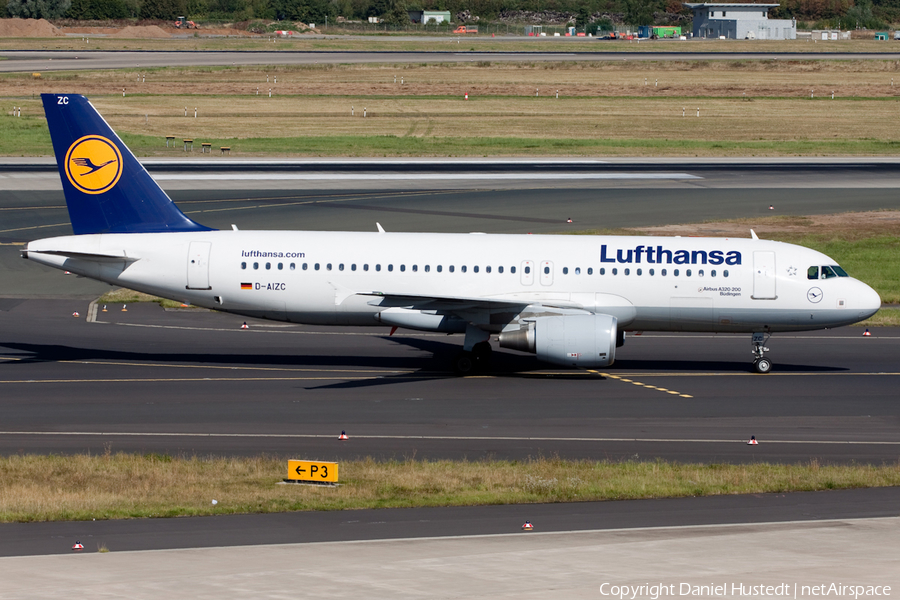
<point>527,526</point>
<point>752,441</point>
<point>343,436</point>
<point>244,326</point>
<point>75,314</point>
<point>77,546</point>
<point>866,333</point>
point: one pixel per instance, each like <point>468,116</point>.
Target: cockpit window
<point>812,273</point>
<point>839,271</point>
<point>828,272</point>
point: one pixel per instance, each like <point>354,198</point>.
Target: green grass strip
<point>118,486</point>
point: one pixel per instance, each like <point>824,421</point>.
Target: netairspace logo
<point>781,590</point>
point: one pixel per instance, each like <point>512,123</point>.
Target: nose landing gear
<point>761,364</point>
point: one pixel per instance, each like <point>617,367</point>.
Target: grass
<point>117,486</point>
<point>126,296</point>
<point>748,108</point>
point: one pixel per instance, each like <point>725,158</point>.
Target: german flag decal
<point>246,286</point>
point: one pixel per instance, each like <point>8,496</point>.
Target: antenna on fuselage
<point>753,235</point>
<point>380,228</point>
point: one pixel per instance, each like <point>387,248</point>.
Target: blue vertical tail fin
<point>107,190</point>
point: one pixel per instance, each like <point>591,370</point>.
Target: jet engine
<point>570,340</point>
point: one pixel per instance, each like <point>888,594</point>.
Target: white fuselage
<point>344,278</point>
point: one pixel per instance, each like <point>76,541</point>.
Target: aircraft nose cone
<point>869,301</point>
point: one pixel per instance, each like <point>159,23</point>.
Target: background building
<point>740,22</point>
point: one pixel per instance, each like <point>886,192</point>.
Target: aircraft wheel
<point>481,355</point>
<point>463,364</point>
<point>762,365</point>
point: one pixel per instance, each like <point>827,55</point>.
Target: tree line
<point>847,14</point>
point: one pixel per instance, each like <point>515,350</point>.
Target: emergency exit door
<point>764,276</point>
<point>198,266</point>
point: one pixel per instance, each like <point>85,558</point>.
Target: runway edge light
<point>343,436</point>
<point>867,333</point>
<point>527,526</point>
<point>77,546</point>
<point>752,441</point>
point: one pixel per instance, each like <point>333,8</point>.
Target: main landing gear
<point>476,354</point>
<point>761,364</point>
<point>479,359</point>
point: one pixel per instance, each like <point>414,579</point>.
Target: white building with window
<point>740,22</point>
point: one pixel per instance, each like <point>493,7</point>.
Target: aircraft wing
<point>462,303</point>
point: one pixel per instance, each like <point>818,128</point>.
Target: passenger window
<point>675,272</point>
<point>812,273</point>
<point>628,271</point>
<point>712,273</point>
<point>255,266</point>
<point>725,273</point>
<point>353,267</point>
<point>527,270</point>
<point>475,269</point>
<point>512,270</point>
<point>341,267</point>
<point>687,272</point>
<point>316,266</point>
<point>500,269</point>
<point>615,271</point>
<point>402,268</point>
<point>487,269</point>
<point>565,270</point>
<point>305,266</point>
<point>243,265</point>
<point>268,266</point>
<point>639,272</point>
<point>415,268</point>
<point>590,271</point>
<point>452,268</point>
<point>663,272</point>
<point>440,268</point>
<point>378,267</point>
<point>828,273</point>
<point>578,270</point>
<point>366,267</point>
<point>700,273</point>
<point>293,266</point>
<point>652,272</point>
<point>602,271</point>
<point>427,268</point>
<point>280,266</point>
<point>390,268</point>
<point>463,268</point>
<point>547,270</point>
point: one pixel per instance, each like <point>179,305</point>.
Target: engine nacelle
<point>570,340</point>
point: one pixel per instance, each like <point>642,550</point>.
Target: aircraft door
<point>198,266</point>
<point>764,276</point>
<point>527,272</point>
<point>546,272</point>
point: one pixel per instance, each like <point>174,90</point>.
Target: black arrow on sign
<point>300,471</point>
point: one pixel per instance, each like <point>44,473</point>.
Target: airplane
<point>567,299</point>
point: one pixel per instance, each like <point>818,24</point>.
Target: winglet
<point>107,190</point>
<point>380,228</point>
<point>753,235</point>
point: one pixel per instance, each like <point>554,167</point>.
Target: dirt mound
<point>28,28</point>
<point>142,32</point>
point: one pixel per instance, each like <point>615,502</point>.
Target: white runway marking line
<point>437,437</point>
<point>418,176</point>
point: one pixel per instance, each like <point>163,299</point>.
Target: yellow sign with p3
<point>312,470</point>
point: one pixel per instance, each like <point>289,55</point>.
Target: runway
<point>27,61</point>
